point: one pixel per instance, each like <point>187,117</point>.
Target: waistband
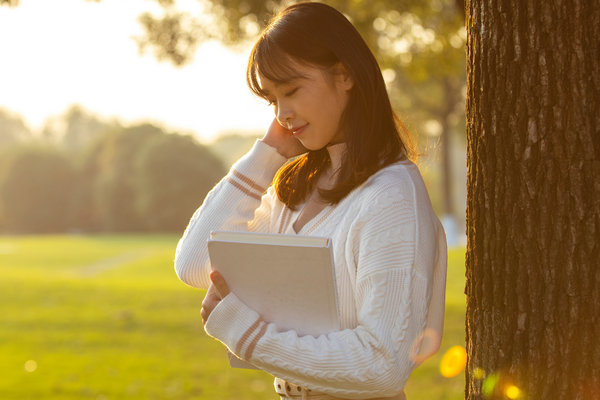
<point>290,391</point>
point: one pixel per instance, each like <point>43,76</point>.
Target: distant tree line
<point>82,173</point>
<point>92,176</point>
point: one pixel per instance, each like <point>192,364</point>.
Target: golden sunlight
<point>512,392</point>
<point>453,362</point>
<point>30,366</point>
<point>87,56</point>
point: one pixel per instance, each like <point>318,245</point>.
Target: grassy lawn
<point>104,317</point>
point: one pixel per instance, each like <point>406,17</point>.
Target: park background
<point>110,137</point>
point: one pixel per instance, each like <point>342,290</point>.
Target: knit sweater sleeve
<point>373,359</point>
<point>238,203</point>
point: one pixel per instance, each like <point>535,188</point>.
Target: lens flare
<point>489,384</point>
<point>453,362</point>
<point>30,365</point>
<point>512,392</point>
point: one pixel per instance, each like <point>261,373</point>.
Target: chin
<point>313,146</point>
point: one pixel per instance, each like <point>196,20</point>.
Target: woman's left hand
<point>215,293</point>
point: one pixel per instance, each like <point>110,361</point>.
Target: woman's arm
<point>230,205</point>
<point>233,204</point>
<point>392,296</point>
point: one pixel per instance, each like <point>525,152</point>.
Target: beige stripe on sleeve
<point>246,335</point>
<point>248,181</point>
<point>252,344</point>
<point>243,189</point>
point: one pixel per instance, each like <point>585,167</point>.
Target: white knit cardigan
<point>390,260</point>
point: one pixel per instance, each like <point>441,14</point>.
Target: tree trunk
<point>533,208</point>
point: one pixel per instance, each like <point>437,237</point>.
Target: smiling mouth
<point>298,130</point>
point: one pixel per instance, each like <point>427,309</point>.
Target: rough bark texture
<point>533,208</point>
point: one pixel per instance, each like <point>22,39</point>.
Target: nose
<point>283,113</point>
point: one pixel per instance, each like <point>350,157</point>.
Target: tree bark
<point>533,207</point>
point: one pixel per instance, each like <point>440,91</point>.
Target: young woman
<point>350,178</point>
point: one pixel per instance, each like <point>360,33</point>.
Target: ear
<point>342,76</point>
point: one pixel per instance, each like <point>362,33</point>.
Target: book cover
<point>288,279</point>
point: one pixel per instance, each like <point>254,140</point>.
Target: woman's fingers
<point>210,301</point>
<point>214,294</point>
<point>204,313</point>
<point>282,139</point>
<point>219,283</point>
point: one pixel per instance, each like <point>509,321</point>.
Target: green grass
<point>104,317</point>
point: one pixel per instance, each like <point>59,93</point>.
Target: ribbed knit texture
<point>390,259</point>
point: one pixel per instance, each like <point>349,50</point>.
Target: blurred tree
<point>12,129</point>
<point>533,208</point>
<point>36,188</point>
<point>173,174</point>
<point>114,190</point>
<point>85,214</point>
<point>75,129</point>
<point>230,147</point>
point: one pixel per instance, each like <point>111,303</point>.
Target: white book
<point>288,279</point>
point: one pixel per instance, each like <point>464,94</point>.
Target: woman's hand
<point>283,140</point>
<point>215,293</point>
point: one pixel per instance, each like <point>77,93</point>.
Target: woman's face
<point>311,106</point>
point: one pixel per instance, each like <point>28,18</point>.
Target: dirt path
<point>112,262</point>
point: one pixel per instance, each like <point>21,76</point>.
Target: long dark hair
<point>319,35</point>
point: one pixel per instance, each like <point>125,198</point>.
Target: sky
<point>54,54</point>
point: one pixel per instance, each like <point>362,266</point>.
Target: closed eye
<point>291,92</point>
<point>286,94</point>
